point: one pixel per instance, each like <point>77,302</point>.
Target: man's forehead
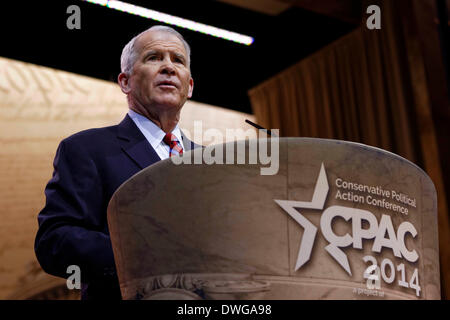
<point>158,38</point>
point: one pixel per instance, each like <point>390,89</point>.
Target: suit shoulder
<point>92,137</point>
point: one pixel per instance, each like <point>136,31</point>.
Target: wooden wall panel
<point>39,107</point>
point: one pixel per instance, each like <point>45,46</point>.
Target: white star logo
<point>310,230</point>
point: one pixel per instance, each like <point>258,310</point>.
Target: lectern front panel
<point>338,220</point>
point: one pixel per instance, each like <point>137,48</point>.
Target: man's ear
<point>124,82</point>
<point>191,88</point>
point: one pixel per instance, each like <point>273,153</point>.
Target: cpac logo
<point>394,241</point>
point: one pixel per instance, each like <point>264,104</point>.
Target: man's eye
<point>152,57</point>
<point>179,60</point>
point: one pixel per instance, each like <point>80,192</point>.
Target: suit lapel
<point>135,145</point>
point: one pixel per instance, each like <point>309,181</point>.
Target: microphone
<point>257,126</point>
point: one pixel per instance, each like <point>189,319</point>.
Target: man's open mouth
<point>167,84</point>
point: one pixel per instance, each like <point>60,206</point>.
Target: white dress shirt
<point>154,134</point>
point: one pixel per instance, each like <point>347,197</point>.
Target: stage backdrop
<point>38,107</point>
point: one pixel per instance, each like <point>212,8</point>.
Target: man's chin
<point>168,104</point>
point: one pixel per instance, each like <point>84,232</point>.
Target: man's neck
<point>167,120</point>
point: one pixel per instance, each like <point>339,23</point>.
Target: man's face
<point>160,77</point>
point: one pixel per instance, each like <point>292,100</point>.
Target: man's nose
<point>167,67</point>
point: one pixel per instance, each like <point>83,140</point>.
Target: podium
<point>338,220</point>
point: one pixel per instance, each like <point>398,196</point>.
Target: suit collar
<point>135,145</point>
<point>151,131</point>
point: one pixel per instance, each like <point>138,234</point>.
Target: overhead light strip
<point>173,20</point>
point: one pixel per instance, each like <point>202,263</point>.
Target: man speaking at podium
<point>90,165</point>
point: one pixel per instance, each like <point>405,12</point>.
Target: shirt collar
<point>151,131</point>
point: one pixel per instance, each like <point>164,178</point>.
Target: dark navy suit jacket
<point>88,167</point>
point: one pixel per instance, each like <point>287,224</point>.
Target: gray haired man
<point>90,165</point>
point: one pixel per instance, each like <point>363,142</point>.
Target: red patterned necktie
<point>174,145</point>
